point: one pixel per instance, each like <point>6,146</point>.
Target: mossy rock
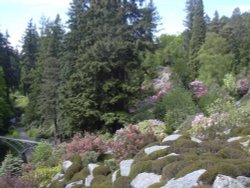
<point>185,143</point>
<point>74,168</point>
<point>172,169</point>
<point>212,146</point>
<point>141,156</point>
<point>158,185</point>
<point>78,186</point>
<point>225,169</point>
<point>231,153</point>
<point>241,131</point>
<point>57,184</point>
<point>159,164</point>
<point>139,167</point>
<point>101,170</point>
<point>101,181</point>
<point>122,182</point>
<point>157,154</point>
<point>104,157</point>
<point>80,175</point>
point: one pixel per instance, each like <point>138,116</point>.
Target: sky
<point>15,14</point>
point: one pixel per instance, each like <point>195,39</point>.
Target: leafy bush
<point>229,82</point>
<point>42,152</point>
<point>175,107</point>
<point>158,127</point>
<point>33,132</point>
<point>11,166</point>
<point>42,174</point>
<point>89,157</point>
<point>206,100</point>
<point>81,144</point>
<point>127,142</point>
<point>111,164</point>
<point>16,182</point>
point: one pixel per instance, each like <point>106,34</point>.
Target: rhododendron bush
<point>81,144</point>
<point>198,88</point>
<point>128,141</point>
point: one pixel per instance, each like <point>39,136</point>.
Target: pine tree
<point>214,26</point>
<point>197,39</point>
<point>28,56</point>
<point>50,79</point>
<point>108,70</point>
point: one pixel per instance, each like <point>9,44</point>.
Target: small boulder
<point>114,175</point>
<point>154,148</point>
<point>222,181</point>
<point>66,165</point>
<point>234,139</point>
<point>187,181</point>
<point>91,167</point>
<point>88,180</point>
<point>196,140</point>
<point>243,180</point>
<point>145,180</point>
<point>70,185</point>
<point>57,176</point>
<point>125,167</point>
<point>172,137</point>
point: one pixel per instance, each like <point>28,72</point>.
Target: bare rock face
<point>125,167</point>
<point>145,180</point>
<point>172,137</point>
<point>66,165</point>
<point>243,180</point>
<point>186,181</point>
<point>57,176</point>
<point>222,181</point>
<point>154,148</point>
<point>70,185</point>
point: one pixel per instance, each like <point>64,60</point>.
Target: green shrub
<point>89,157</point>
<point>33,132</point>
<point>225,169</point>
<point>232,153</point>
<point>159,164</point>
<point>57,184</point>
<point>101,181</point>
<point>11,166</point>
<point>80,175</point>
<point>14,133</point>
<point>172,169</point>
<point>174,107</point>
<point>212,146</point>
<point>122,182</point>
<point>101,170</point>
<point>158,185</point>
<point>74,168</point>
<point>111,164</point>
<point>206,100</point>
<point>42,152</point>
<point>44,174</point>
<point>139,167</point>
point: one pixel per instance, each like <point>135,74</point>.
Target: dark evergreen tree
<point>108,70</point>
<point>28,56</point>
<point>197,39</point>
<point>214,26</point>
<point>50,79</point>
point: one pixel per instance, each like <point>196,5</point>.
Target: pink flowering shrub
<point>206,127</point>
<point>162,90</point>
<point>198,88</point>
<point>244,85</point>
<point>81,144</point>
<point>127,142</point>
<point>16,182</point>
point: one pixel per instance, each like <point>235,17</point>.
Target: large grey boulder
<point>70,185</point>
<point>222,181</point>
<point>66,165</point>
<point>172,137</point>
<point>154,148</point>
<point>125,167</point>
<point>144,180</point>
<point>187,181</point>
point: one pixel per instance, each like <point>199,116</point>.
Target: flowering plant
<point>128,141</point>
<point>198,88</point>
<point>206,127</point>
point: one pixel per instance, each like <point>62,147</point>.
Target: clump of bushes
<point>11,166</point>
<point>89,157</point>
<point>127,142</point>
<point>42,152</point>
<point>82,143</point>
